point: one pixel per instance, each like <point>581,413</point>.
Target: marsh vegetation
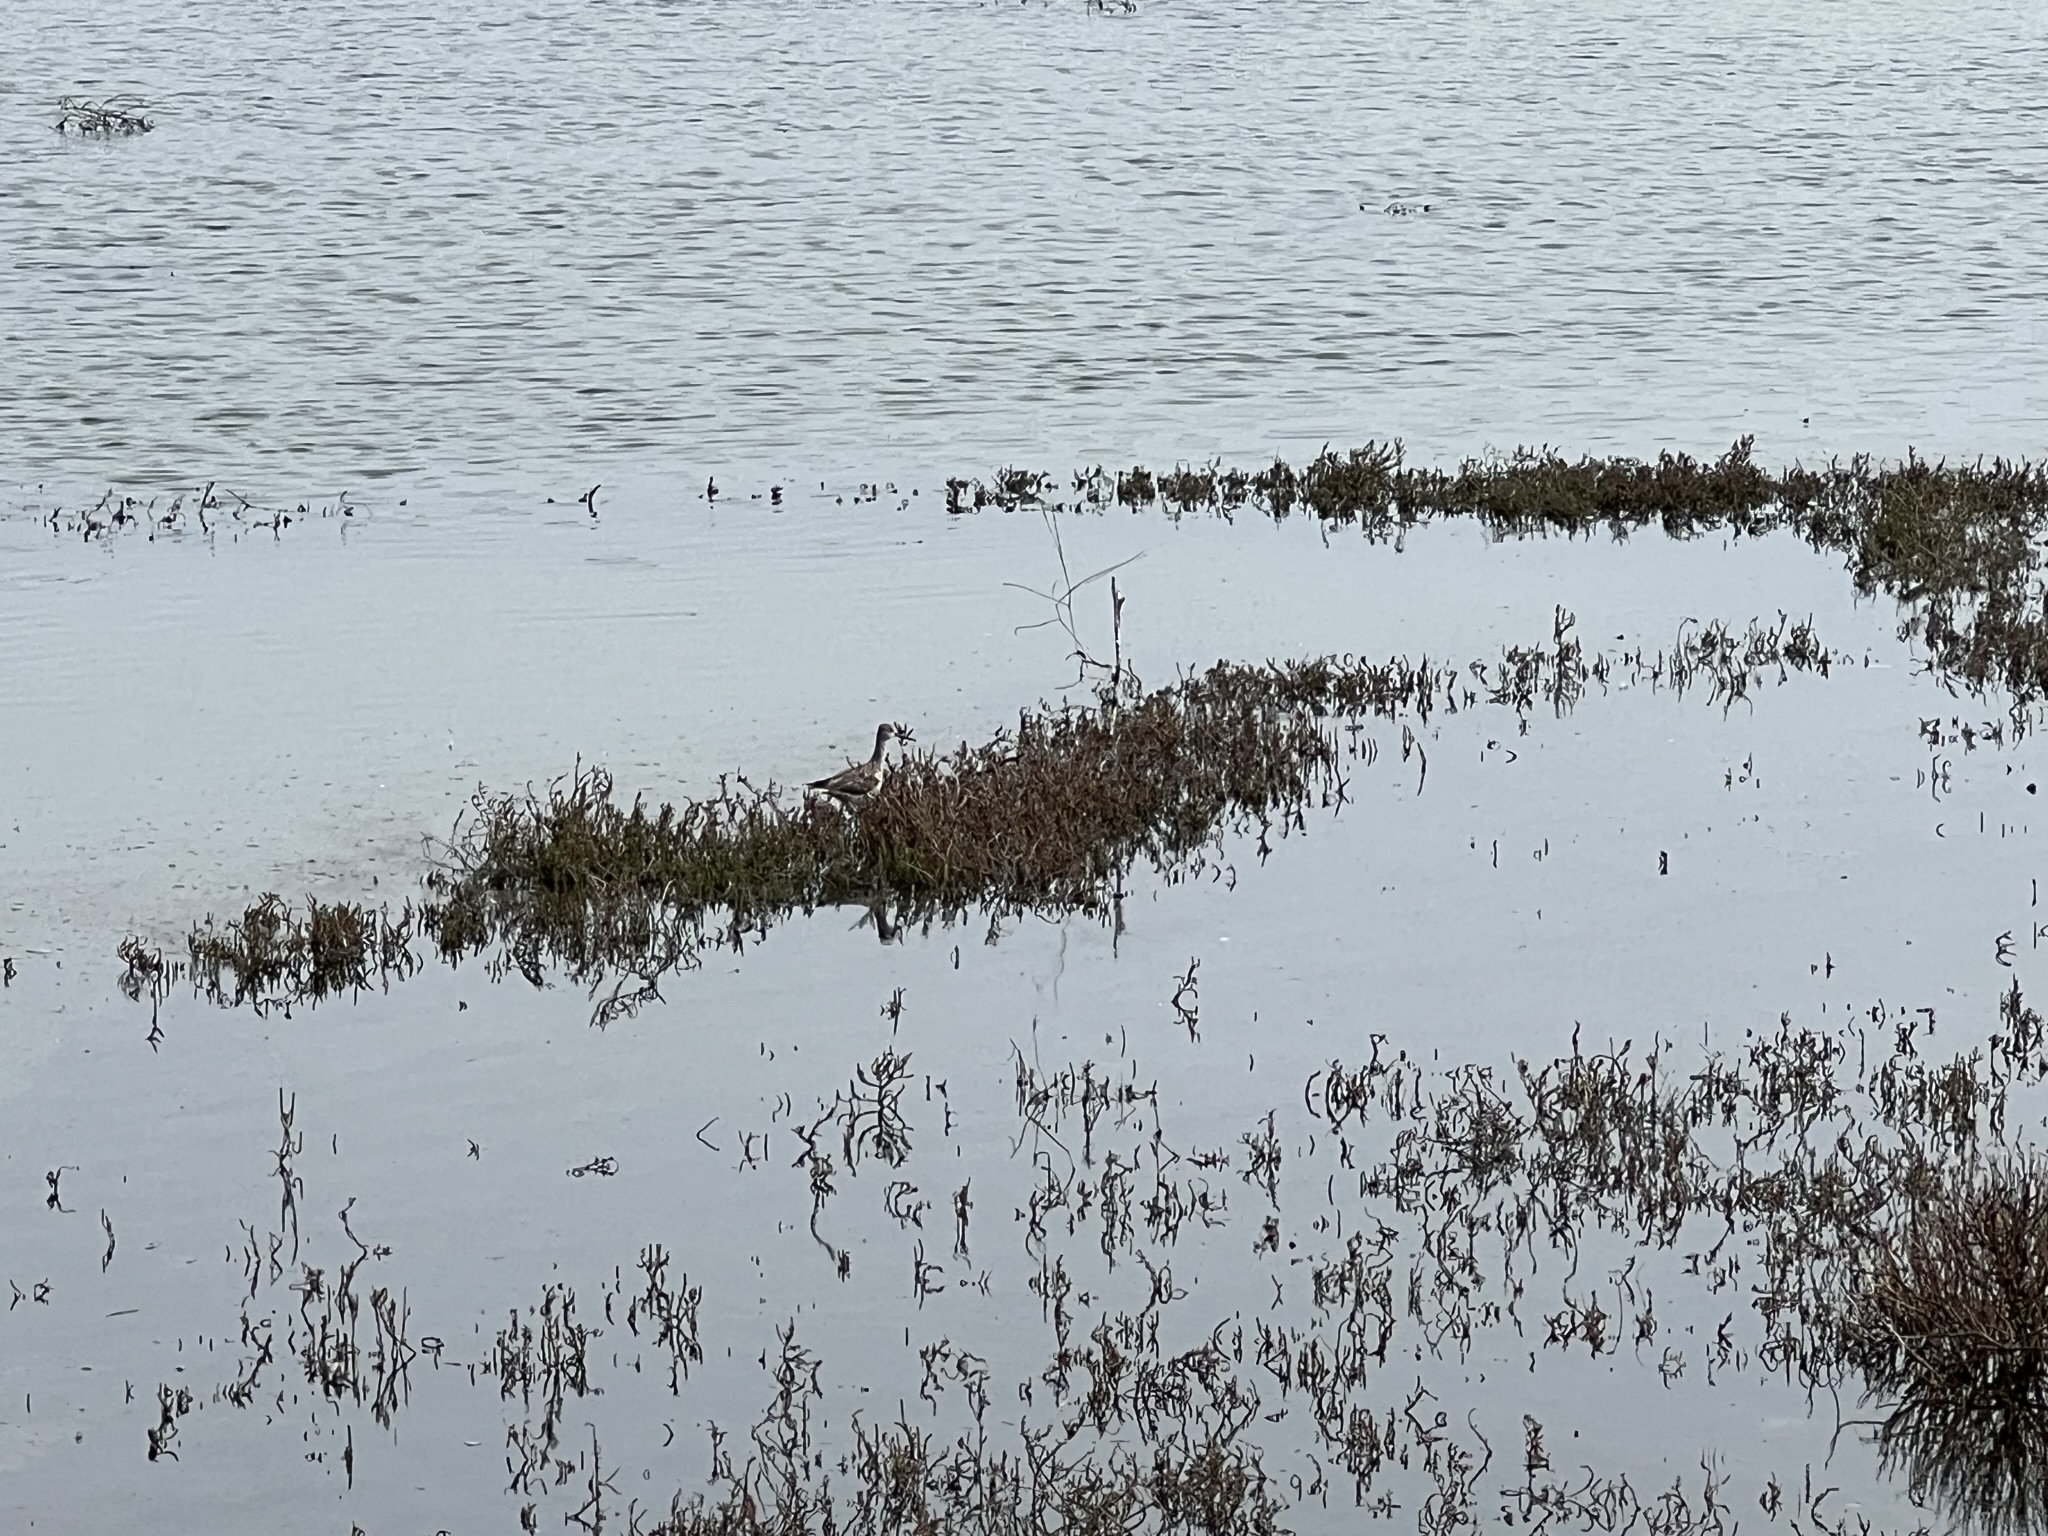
<point>1960,544</point>
<point>1239,1329</point>
<point>1311,1316</point>
<point>1051,817</point>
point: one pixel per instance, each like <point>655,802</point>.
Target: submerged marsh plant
<point>1784,1176</point>
<point>1854,1197</point>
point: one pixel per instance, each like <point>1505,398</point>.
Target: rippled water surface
<point>369,239</point>
<point>461,265</point>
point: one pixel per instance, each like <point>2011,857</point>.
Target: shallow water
<point>464,266</point>
<point>1507,903</point>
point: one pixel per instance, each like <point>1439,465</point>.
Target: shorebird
<point>856,784</point>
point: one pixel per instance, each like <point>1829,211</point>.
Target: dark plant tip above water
<point>199,510</point>
<point>1051,816</point>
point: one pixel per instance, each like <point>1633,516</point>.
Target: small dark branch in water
<point>144,972</point>
<point>1187,1001</point>
<point>112,117</point>
<point>673,1312</point>
<point>1061,599</point>
<point>291,1142</point>
<point>172,1404</point>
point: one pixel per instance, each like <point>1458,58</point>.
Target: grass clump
<point>1950,1329</point>
<point>1051,814</point>
<point>1375,488</point>
<point>275,954</point>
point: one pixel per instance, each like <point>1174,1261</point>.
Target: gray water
<point>463,267</point>
<point>1511,901</point>
<point>453,242</point>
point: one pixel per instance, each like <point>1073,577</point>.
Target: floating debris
<point>112,117</point>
